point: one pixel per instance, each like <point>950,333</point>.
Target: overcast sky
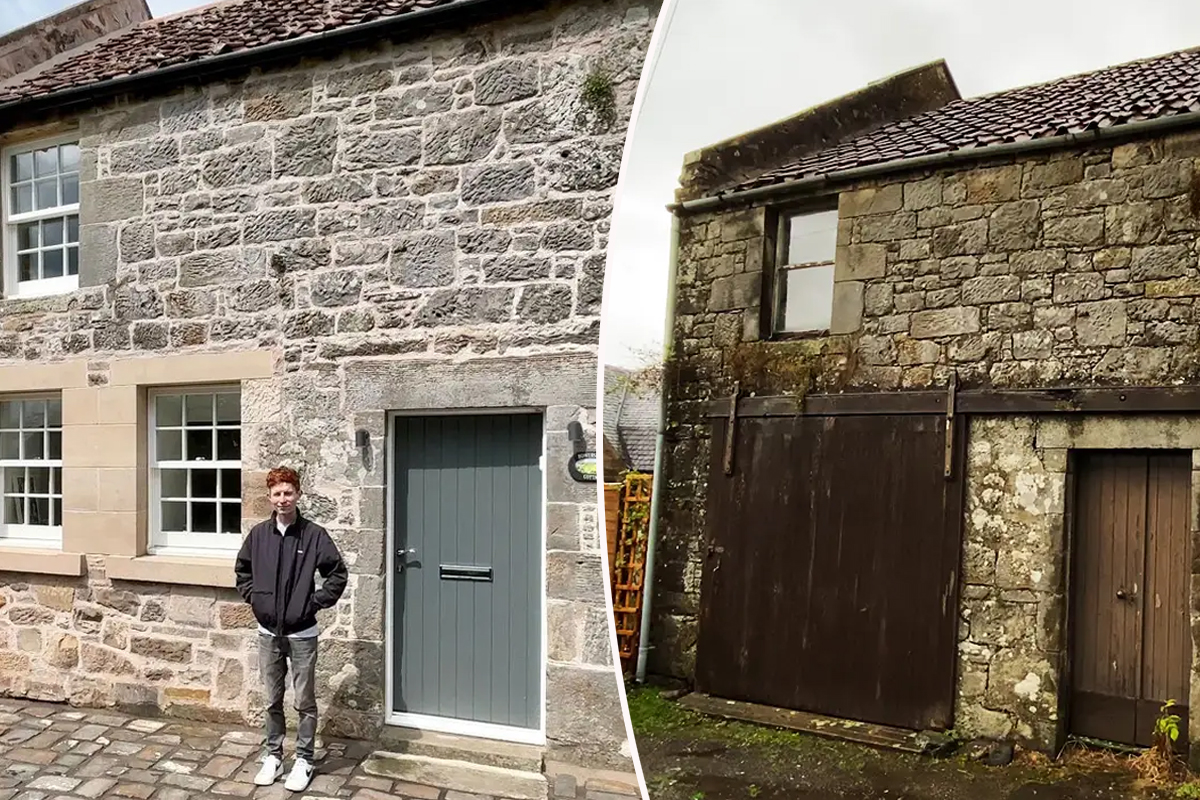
<point>18,13</point>
<point>727,66</point>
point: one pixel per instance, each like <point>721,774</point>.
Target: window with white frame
<point>196,470</point>
<point>804,278</point>
<point>31,471</point>
<point>41,218</point>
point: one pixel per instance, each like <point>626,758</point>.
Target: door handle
<point>401,558</point>
<point>1121,595</point>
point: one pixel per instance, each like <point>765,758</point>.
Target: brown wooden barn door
<point>1130,637</point>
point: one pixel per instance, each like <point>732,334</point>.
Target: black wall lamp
<point>582,464</point>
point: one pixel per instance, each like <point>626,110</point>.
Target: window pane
<point>10,415</point>
<point>169,446</point>
<point>22,166</point>
<point>27,267</point>
<point>199,409</point>
<point>56,511</point>
<point>204,517</point>
<point>173,484</point>
<point>56,486</point>
<point>39,511</point>
<point>229,445</point>
<point>808,299</point>
<point>204,483</point>
<point>168,411</point>
<point>72,228</point>
<point>27,236</point>
<point>70,190</point>
<point>33,414</point>
<point>46,162</point>
<point>54,413</point>
<point>72,260</point>
<point>23,198</point>
<point>229,409</point>
<point>231,484</point>
<point>54,446</point>
<point>174,517</point>
<point>14,510</point>
<point>231,517</point>
<point>47,194</point>
<point>10,446</point>
<point>52,232</point>
<point>812,237</point>
<point>39,480</point>
<point>68,158</point>
<point>15,480</point>
<point>35,446</point>
<point>52,263</point>
<point>200,445</point>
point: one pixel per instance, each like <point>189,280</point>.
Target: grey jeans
<point>273,657</point>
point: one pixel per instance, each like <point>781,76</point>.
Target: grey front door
<point>467,591</point>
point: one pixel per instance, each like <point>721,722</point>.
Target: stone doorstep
<point>485,752</point>
<point>868,733</point>
<point>595,780</point>
<point>459,776</point>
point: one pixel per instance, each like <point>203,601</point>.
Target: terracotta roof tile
<point>1146,89</point>
<point>193,36</point>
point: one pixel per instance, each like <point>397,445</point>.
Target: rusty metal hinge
<point>950,403</point>
<point>731,428</point>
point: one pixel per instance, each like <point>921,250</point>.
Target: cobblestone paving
<point>55,752</point>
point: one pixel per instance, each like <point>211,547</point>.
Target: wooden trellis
<point>628,565</point>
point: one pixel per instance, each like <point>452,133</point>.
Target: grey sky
<point>18,13</point>
<point>726,67</point>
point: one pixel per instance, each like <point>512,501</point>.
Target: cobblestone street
<point>54,752</point>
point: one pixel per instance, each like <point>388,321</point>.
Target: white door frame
<point>426,722</point>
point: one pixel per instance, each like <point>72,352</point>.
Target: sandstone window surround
<point>802,288</point>
<point>195,471</point>
<point>106,467</point>
<point>40,209</point>
<point>31,471</point>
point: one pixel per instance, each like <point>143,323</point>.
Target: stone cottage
<point>363,239</point>
<point>933,409</point>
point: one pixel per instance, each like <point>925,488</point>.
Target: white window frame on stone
<point>24,533</point>
<point>11,221</point>
<point>167,537</point>
<point>805,262</point>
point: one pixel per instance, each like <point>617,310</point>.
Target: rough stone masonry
<point>1077,267</point>
<point>391,223</point>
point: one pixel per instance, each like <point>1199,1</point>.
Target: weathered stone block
<point>247,165</point>
<point>461,137</point>
<point>280,225</point>
<point>1080,231</point>
<point>1133,223</point>
<point>1014,226</point>
<point>381,150</point>
<point>110,200</point>
<point>848,304</point>
<point>584,166</point>
<point>1075,287</point>
<point>1101,324</point>
<point>216,267</point>
<point>1165,180</point>
<point>306,148</point>
<point>993,185</point>
<point>466,305</point>
<point>1061,172</point>
<point>860,262</point>
<point>964,239</point>
<point>923,194</point>
<point>417,101</point>
<point>1154,263</point>
<point>886,228</point>
<point>995,289</point>
<point>872,200</point>
<point>945,322</point>
<point>339,288</point>
<point>506,81</point>
<point>424,259</point>
<point>736,292</point>
<point>147,156</point>
<point>360,80</point>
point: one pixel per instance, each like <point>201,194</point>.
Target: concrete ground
<point>55,752</point>
<point>686,756</point>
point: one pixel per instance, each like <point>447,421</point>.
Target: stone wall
<point>1069,268</point>
<point>419,226</point>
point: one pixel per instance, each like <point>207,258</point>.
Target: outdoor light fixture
<point>362,438</point>
<point>575,434</point>
<point>582,464</point>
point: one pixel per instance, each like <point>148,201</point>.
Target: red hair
<point>283,475</point>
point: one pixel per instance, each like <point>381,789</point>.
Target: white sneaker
<point>272,768</point>
<point>300,777</point>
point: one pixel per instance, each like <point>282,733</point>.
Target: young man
<point>276,575</point>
